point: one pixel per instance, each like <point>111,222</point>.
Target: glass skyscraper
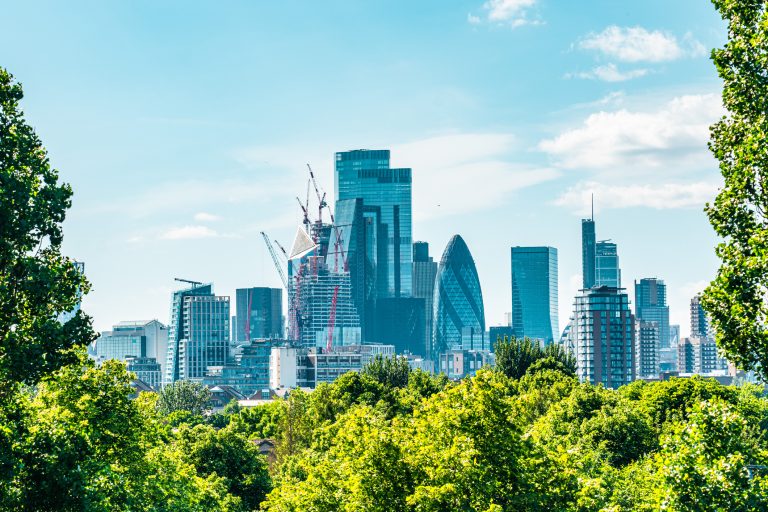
<point>607,271</point>
<point>259,314</point>
<point>424,273</point>
<point>365,174</point>
<point>588,253</point>
<point>459,317</point>
<point>199,333</point>
<point>651,306</point>
<point>534,293</point>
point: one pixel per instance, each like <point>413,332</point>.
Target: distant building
<point>290,367</point>
<point>424,274</point>
<point>534,293</point>
<point>133,339</point>
<point>647,350</point>
<point>259,314</point>
<point>674,335</point>
<point>147,369</point>
<point>588,252</point>
<point>651,306</point>
<point>457,364</point>
<point>199,333</point>
<point>459,317</point>
<point>400,321</point>
<point>366,174</point>
<point>602,337</point>
<point>332,365</point>
<point>700,327</point>
<point>607,270</point>
<point>250,373</point>
<point>699,356</point>
<point>496,333</point>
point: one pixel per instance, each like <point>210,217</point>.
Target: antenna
<point>593,207</point>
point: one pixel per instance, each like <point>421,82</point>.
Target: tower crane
<point>194,284</point>
<point>320,199</point>
<point>272,253</point>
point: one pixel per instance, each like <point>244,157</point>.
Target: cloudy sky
<point>184,128</point>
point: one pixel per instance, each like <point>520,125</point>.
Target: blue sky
<point>184,128</point>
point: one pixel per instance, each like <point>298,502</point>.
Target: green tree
<point>514,357</point>
<point>183,395</point>
<point>392,371</point>
<point>736,299</point>
<point>37,283</point>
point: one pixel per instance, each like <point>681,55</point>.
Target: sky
<point>184,128</point>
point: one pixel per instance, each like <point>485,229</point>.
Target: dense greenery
<point>736,299</point>
<point>515,357</point>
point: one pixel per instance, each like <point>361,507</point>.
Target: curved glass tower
<point>459,318</point>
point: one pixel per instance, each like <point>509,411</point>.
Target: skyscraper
<point>607,270</point>
<point>199,333</point>
<point>534,293</point>
<point>588,241</point>
<point>259,314</point>
<point>424,273</point>
<point>459,317</point>
<point>647,350</point>
<point>365,174</point>
<point>137,339</point>
<point>602,337</point>
<point>700,327</point>
<point>651,306</point>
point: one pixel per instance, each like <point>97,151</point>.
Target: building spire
<point>593,207</point>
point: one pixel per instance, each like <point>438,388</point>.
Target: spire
<point>592,218</point>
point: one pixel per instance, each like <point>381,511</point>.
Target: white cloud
<point>609,73</point>
<point>188,232</point>
<point>457,174</point>
<point>636,44</point>
<point>206,217</point>
<point>659,197</point>
<point>514,12</point>
<point>472,19</point>
<point>671,137</point>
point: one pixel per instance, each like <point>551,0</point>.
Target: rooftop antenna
<point>593,207</point>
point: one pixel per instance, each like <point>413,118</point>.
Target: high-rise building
<point>424,273</point>
<point>459,317</point>
<point>199,333</point>
<point>366,174</point>
<point>647,350</point>
<point>674,335</point>
<point>133,339</point>
<point>259,314</point>
<point>602,337</point>
<point>698,355</point>
<point>700,327</point>
<point>147,369</point>
<point>534,293</point>
<point>651,306</point>
<point>607,270</point>
<point>588,241</point>
<point>400,321</point>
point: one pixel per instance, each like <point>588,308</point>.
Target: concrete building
<point>136,339</point>
<point>457,364</point>
<point>290,367</point>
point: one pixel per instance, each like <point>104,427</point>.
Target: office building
<point>457,364</point>
<point>147,369</point>
<point>424,273</point>
<point>133,339</point>
<point>674,335</point>
<point>534,293</point>
<point>699,356</point>
<point>700,327</point>
<point>459,317</point>
<point>607,271</point>
<point>647,350</point>
<point>289,367</point>
<point>259,314</point>
<point>602,337</point>
<point>651,306</point>
<point>498,333</point>
<point>199,333</point>
<point>366,174</point>
<point>401,321</point>
<point>588,242</point>
<point>249,374</point>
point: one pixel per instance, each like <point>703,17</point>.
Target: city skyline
<point>500,114</point>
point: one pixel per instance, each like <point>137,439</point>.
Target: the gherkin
<point>459,317</point>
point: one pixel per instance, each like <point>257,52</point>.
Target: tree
<point>737,299</point>
<point>514,357</point>
<point>389,371</point>
<point>183,395</point>
<point>37,283</point>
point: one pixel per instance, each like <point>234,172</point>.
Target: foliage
<point>37,283</point>
<point>388,371</point>
<point>515,357</point>
<point>183,396</point>
<point>735,300</point>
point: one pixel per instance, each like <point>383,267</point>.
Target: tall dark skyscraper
<point>651,306</point>
<point>259,314</point>
<point>534,293</point>
<point>365,174</point>
<point>700,327</point>
<point>424,273</point>
<point>588,242</point>
<point>459,317</point>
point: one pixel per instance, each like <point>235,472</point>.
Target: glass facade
<point>459,317</point>
<point>588,252</point>
<point>534,293</point>
<point>607,271</point>
<point>199,333</point>
<point>259,314</point>
<point>699,321</point>
<point>366,175</point>
<point>424,273</point>
<point>602,337</point>
<point>651,306</point>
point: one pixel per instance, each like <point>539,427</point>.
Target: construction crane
<point>332,319</point>
<point>272,253</point>
<point>320,199</point>
<point>282,249</point>
<point>194,284</point>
